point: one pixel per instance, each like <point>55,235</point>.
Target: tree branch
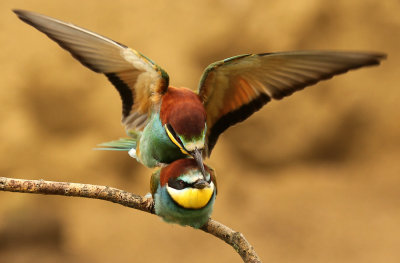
<point>231,237</point>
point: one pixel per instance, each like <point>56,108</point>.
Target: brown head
<point>183,116</point>
<point>184,111</point>
<point>185,184</point>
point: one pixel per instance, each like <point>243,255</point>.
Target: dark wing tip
<point>377,55</point>
<point>26,16</point>
<point>378,58</point>
<point>23,15</point>
<point>356,60</point>
<point>371,57</point>
<point>18,11</point>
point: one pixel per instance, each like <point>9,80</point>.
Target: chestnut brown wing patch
<point>235,88</point>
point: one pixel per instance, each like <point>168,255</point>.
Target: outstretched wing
<point>138,80</point>
<point>235,88</point>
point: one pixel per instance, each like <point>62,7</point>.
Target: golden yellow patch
<point>192,198</point>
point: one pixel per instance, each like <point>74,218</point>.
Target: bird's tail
<point>122,144</point>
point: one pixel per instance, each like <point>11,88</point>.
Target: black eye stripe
<point>177,184</point>
<point>172,131</point>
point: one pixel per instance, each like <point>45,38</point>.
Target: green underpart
<point>170,212</point>
<point>155,146</point>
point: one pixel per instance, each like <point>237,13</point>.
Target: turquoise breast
<point>170,212</point>
<point>155,147</point>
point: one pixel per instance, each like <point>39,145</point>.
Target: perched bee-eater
<point>182,195</point>
<point>168,123</point>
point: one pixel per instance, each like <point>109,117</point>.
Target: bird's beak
<point>199,159</point>
<point>201,184</point>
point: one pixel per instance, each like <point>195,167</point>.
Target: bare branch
<point>231,237</point>
<point>78,190</point>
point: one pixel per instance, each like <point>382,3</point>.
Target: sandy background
<point>312,178</point>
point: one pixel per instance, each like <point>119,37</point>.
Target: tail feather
<point>123,144</point>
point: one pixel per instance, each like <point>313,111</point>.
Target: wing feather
<point>234,88</point>
<point>138,80</point>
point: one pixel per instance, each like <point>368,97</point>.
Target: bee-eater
<point>168,123</point>
<point>182,195</point>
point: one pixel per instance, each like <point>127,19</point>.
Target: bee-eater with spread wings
<point>168,123</point>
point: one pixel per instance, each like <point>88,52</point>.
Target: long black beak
<point>201,184</point>
<point>199,159</point>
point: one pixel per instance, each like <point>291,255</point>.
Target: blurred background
<point>312,178</point>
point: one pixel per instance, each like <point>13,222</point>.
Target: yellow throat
<point>191,198</point>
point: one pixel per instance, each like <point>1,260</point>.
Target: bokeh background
<point>312,178</point>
